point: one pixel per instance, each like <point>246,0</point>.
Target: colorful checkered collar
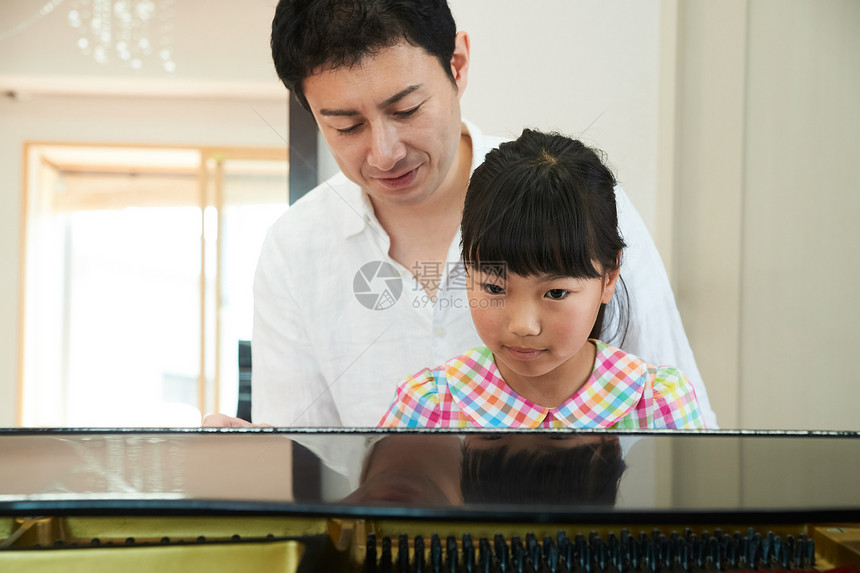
<point>483,396</point>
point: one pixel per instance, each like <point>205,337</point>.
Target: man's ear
<point>460,61</point>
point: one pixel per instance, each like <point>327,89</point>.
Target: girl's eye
<point>557,293</point>
<point>490,288</point>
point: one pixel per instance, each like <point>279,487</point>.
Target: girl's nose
<point>386,147</point>
<point>523,321</point>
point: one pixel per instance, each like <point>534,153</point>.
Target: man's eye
<point>408,112</point>
<point>557,293</point>
<point>348,130</point>
<point>490,288</point>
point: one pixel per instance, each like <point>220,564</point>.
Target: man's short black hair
<point>309,36</point>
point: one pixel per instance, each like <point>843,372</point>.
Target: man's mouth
<point>400,180</point>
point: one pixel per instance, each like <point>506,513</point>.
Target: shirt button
<point>439,332</point>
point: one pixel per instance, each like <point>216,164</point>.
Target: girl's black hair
<point>544,204</point>
<point>586,474</point>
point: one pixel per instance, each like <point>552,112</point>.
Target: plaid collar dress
<point>623,392</point>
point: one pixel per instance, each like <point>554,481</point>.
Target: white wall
<point>709,192</point>
<point>768,199</point>
<point>588,69</point>
<point>800,268</point>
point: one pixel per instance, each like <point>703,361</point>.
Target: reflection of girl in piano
<point>572,469</point>
<point>542,251</point>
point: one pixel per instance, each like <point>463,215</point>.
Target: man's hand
<point>225,421</point>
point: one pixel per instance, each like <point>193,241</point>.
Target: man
<point>359,283</point>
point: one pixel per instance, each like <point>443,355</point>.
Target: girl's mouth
<point>524,353</point>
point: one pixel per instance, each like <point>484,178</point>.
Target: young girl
<point>542,252</point>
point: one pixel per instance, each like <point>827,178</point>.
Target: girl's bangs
<point>541,232</point>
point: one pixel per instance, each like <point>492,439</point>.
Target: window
<point>139,265</point>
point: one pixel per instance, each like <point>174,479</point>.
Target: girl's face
<point>537,328</point>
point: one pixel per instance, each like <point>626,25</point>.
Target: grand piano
<point>294,500</point>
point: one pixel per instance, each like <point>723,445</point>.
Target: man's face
<point>412,469</point>
<point>392,122</point>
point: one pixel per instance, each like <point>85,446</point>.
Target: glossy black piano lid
<point>550,475</point>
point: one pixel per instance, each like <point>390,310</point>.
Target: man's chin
<point>407,197</point>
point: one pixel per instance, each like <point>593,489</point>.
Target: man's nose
<point>386,147</point>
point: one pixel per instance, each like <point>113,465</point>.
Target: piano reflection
<point>396,501</point>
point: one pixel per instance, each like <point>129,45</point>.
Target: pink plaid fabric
<point>622,392</point>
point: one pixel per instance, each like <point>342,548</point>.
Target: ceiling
<point>219,47</point>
